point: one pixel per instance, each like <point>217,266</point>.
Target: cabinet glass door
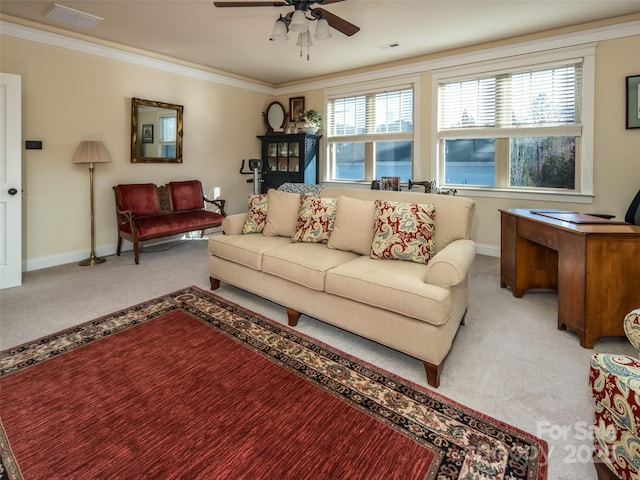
<point>272,157</point>
<point>294,157</point>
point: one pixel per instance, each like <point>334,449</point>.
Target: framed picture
<point>147,133</point>
<point>390,183</point>
<point>296,106</point>
<point>633,101</point>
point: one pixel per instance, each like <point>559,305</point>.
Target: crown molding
<point>594,35</point>
<point>57,40</point>
<point>584,37</point>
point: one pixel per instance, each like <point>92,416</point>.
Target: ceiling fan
<point>303,6</point>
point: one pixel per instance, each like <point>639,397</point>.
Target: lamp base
<point>92,260</point>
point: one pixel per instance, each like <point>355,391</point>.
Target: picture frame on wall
<point>633,102</point>
<point>296,106</point>
<point>147,133</point>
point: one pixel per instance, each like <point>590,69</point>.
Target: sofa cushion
<point>246,250</point>
<point>455,213</point>
<point>186,195</point>
<point>304,263</point>
<point>315,220</point>
<point>282,213</point>
<point>353,226</point>
<point>391,285</point>
<point>139,198</point>
<point>256,214</point>
<point>404,231</point>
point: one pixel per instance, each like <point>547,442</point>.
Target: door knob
<point>12,191</point>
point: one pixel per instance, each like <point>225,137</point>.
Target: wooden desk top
<point>576,222</point>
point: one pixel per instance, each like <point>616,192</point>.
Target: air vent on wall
<point>72,16</point>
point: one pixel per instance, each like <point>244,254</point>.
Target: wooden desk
<point>594,266</point>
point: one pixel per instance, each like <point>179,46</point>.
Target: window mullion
<point>502,162</point>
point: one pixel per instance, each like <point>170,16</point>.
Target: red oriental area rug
<point>190,386</point>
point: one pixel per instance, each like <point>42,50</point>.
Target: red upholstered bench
<point>146,211</point>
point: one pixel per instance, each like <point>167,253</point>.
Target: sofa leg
<point>215,283</point>
<point>433,373</point>
<point>119,245</point>
<point>293,316</point>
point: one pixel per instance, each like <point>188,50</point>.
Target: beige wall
<point>70,96</point>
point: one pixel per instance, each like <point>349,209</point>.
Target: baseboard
<point>489,250</point>
<point>39,263</point>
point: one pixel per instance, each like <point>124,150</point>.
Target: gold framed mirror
<point>156,132</point>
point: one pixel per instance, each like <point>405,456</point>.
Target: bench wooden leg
<point>433,373</point>
<point>136,252</point>
<point>215,283</point>
<point>293,316</point>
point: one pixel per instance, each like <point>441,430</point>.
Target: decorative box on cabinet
<point>289,158</point>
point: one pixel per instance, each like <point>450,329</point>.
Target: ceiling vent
<point>72,16</point>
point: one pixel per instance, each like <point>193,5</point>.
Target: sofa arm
<point>615,384</point>
<point>450,265</point>
<point>632,327</point>
<point>232,224</point>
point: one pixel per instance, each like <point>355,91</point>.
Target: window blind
<point>371,113</point>
<point>540,97</point>
<point>168,128</point>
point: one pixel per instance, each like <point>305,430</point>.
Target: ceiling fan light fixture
<point>304,40</point>
<point>279,31</point>
<point>299,22</point>
<point>322,30</point>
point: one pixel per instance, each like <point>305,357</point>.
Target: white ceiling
<point>236,40</point>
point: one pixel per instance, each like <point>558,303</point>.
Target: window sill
<point>546,196</point>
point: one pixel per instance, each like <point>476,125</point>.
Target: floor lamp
<point>91,152</point>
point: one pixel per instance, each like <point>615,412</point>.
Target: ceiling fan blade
<point>336,22</point>
<point>251,4</point>
<point>327,2</point>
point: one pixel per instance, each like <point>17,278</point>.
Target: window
<point>370,134</point>
<point>168,134</point>
<point>518,128</point>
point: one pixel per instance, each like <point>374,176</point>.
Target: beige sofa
<point>409,306</point>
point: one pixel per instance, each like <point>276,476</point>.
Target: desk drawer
<point>538,233</point>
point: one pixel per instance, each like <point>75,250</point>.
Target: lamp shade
<point>299,22</point>
<point>91,151</point>
<point>322,30</point>
<point>279,31</point>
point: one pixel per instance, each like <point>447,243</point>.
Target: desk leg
<point>523,263</point>
<point>572,272</point>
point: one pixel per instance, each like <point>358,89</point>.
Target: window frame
<point>583,192</point>
<point>367,88</point>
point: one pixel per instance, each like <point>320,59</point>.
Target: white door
<point>10,181</point>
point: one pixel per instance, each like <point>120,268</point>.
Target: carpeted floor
<point>508,361</point>
<point>191,386</point>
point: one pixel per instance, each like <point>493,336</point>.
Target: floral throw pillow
<point>315,219</point>
<point>257,214</point>
<point>404,231</point>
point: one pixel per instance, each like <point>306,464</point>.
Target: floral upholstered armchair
<point>615,387</point>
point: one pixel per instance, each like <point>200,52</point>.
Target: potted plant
<point>308,121</point>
